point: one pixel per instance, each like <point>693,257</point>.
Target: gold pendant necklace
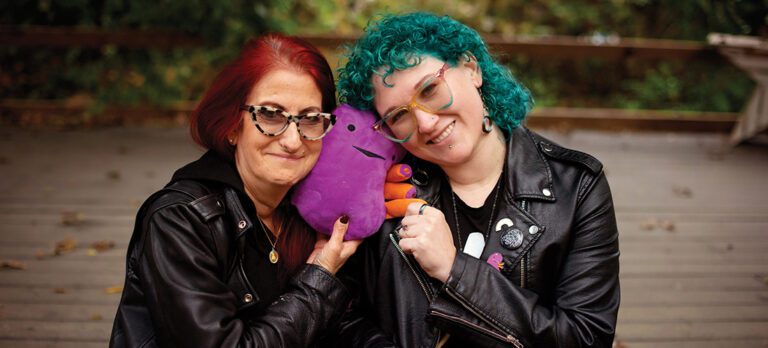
<point>273,255</point>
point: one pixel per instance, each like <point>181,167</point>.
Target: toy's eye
<point>351,127</point>
<point>393,158</point>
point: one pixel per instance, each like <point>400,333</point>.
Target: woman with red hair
<point>218,258</point>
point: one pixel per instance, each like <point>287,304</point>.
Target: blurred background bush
<point>161,76</point>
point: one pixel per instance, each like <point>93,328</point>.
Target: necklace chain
<point>273,255</point>
<point>490,220</point>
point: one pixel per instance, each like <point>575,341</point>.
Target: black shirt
<point>471,219</point>
<point>263,275</point>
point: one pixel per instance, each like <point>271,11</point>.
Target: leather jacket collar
<point>211,167</point>
<point>529,174</point>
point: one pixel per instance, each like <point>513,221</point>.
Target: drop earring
<point>487,124</point>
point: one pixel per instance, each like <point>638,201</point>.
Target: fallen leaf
<point>13,264</point>
<point>65,246</point>
<point>71,218</point>
<point>102,245</point>
<point>682,191</point>
<point>114,289</point>
<point>60,290</point>
<point>113,175</point>
<point>667,225</point>
<point>96,317</point>
<point>648,224</point>
<point>91,252</point>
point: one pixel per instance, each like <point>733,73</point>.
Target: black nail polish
<point>344,219</point>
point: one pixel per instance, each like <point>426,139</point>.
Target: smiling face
<point>284,159</point>
<point>448,136</point>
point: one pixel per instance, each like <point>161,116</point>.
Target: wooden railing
<point>65,37</point>
<point>556,47</point>
<point>570,47</point>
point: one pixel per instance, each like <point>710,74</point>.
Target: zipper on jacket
<point>522,270</point>
<point>422,283</point>
<point>524,257</point>
<point>418,278</point>
<point>509,338</point>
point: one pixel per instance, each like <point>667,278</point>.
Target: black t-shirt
<point>470,219</point>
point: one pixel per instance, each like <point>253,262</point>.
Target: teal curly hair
<point>397,42</point>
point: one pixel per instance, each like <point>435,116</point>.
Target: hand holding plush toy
<point>350,175</point>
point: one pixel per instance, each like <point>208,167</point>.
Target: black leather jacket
<point>558,288</point>
<point>186,284</point>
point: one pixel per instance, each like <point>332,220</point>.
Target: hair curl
<point>397,42</point>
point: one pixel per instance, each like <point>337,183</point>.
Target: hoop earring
<point>487,124</point>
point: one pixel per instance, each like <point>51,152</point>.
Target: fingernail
<point>344,219</point>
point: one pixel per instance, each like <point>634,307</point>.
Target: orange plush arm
<point>397,193</point>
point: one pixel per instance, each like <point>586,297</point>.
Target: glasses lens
<point>270,120</point>
<point>314,125</point>
<point>434,95</point>
<point>398,124</point>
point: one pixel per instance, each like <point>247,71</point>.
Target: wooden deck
<point>693,218</point>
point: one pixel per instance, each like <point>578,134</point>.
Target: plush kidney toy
<point>349,177</point>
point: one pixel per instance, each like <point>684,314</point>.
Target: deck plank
<point>703,283</point>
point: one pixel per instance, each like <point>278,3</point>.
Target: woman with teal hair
<point>518,244</point>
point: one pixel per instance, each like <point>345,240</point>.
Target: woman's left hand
<point>428,238</point>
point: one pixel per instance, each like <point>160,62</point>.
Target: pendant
<point>273,256</point>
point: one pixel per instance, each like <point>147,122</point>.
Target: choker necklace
<point>273,255</point>
<point>490,220</point>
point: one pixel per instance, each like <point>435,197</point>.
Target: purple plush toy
<point>349,176</point>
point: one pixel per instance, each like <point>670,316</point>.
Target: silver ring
<point>421,209</point>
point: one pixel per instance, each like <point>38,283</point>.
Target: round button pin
<point>512,238</point>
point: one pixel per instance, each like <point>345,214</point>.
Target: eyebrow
<point>303,111</point>
<point>415,88</point>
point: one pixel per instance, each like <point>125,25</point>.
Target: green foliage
<point>117,75</point>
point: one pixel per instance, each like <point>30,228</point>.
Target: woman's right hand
<point>331,253</point>
<point>425,235</point>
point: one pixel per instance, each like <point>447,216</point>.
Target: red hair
<point>218,115</point>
